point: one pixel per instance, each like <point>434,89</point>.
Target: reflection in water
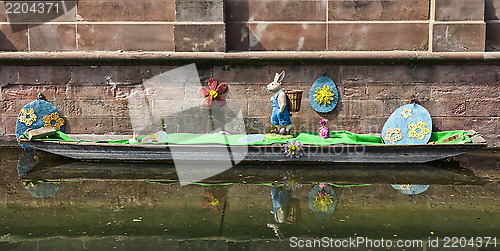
<point>215,199</point>
<point>411,189</point>
<point>26,162</point>
<point>322,200</point>
<point>293,180</point>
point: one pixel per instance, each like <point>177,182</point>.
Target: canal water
<point>50,203</point>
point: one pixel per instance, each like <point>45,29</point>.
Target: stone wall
<point>250,25</point>
<point>93,99</point>
<point>49,53</point>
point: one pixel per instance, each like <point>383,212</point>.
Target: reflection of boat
<point>340,153</point>
<point>441,173</point>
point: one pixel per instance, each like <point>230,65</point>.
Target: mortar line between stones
<point>432,17</point>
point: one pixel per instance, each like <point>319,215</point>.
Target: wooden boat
<point>204,153</point>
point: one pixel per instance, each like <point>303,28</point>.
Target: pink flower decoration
<point>323,122</point>
<point>323,185</point>
<point>213,93</point>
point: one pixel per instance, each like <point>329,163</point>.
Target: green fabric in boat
<point>307,138</point>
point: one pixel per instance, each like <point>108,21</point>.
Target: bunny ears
<point>279,77</point>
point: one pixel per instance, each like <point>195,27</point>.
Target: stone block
<point>139,11</point>
<point>446,107</point>
<point>199,11</point>
<point>459,10</point>
<point>378,36</point>
<point>459,37</point>
<point>147,37</point>
<point>105,37</point>
<point>364,108</point>
<point>9,74</point>
<point>60,11</point>
<point>379,10</point>
<point>53,37</point>
<point>243,74</point>
<point>492,10</point>
<point>111,75</point>
<point>13,37</point>
<point>96,107</point>
<point>275,10</point>
<point>88,92</point>
<point>367,73</point>
<point>94,124</point>
<point>46,74</point>
<point>483,108</point>
<point>492,37</point>
<point>237,37</point>
<point>305,73</point>
<point>199,37</point>
<point>287,37</point>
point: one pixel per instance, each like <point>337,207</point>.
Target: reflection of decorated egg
<point>411,189</point>
<point>38,114</point>
<point>409,124</point>
<point>322,202</point>
<point>323,95</point>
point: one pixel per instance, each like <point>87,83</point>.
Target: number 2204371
<point>32,7</point>
<point>461,242</point>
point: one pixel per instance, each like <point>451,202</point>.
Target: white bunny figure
<point>281,112</point>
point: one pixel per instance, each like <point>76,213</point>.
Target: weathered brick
<point>492,37</point>
<point>99,37</point>
<point>459,10</point>
<point>103,11</point>
<point>199,37</point>
<point>95,125</point>
<point>306,73</point>
<point>13,37</point>
<point>61,11</point>
<point>354,90</point>
<point>363,108</point>
<point>480,91</point>
<point>105,74</point>
<point>483,108</point>
<point>53,37</point>
<point>367,73</point>
<point>90,108</point>
<point>243,74</point>
<point>89,92</point>
<point>492,10</point>
<point>237,37</point>
<point>275,10</point>
<point>378,36</point>
<point>446,107</point>
<point>9,124</point>
<point>383,10</point>
<point>122,126</point>
<point>260,108</point>
<point>459,37</point>
<point>9,74</point>
<point>147,37</point>
<point>199,11</point>
<point>287,36</point>
<point>44,74</point>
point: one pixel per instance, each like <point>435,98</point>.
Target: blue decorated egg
<point>411,189</point>
<point>409,124</point>
<point>323,95</point>
<point>38,114</point>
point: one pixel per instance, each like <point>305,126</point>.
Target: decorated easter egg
<point>323,95</point>
<point>411,189</point>
<point>38,114</point>
<point>409,124</point>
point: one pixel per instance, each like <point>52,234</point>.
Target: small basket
<point>294,96</point>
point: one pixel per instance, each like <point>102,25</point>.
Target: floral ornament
<point>324,132</point>
<point>393,135</point>
<point>322,200</point>
<point>27,117</point>
<point>293,180</point>
<point>406,113</point>
<point>213,200</point>
<point>323,95</point>
<point>412,130</point>
<point>214,93</point>
<point>293,149</point>
<point>53,117</point>
<point>405,187</point>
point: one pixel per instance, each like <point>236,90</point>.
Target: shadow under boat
<point>53,168</point>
